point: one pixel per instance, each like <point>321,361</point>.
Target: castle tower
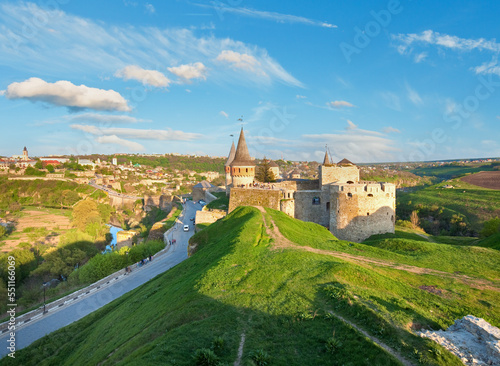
<point>326,160</point>
<point>25,154</point>
<point>275,169</point>
<point>342,172</point>
<point>242,167</point>
<point>227,167</point>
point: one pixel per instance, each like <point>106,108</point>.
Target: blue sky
<point>376,81</point>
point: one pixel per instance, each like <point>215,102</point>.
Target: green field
<point>454,170</point>
<point>281,293</point>
<point>442,210</point>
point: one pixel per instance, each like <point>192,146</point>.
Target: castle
<point>351,209</point>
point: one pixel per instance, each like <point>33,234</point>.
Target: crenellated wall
<point>361,210</point>
<point>340,174</point>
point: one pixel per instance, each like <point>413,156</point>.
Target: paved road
<point>27,334</point>
<point>111,191</point>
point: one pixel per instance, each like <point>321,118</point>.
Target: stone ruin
<point>473,340</point>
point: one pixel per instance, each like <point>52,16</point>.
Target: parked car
<point>192,219</point>
<point>186,227</point>
<point>201,202</point>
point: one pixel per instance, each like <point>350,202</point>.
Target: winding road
<point>54,320</point>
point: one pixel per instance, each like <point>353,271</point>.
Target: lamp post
<point>44,288</point>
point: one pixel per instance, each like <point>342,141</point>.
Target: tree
<point>39,165</point>
<point>84,213</point>
<point>490,227</point>
<point>414,219</point>
<point>264,172</point>
<point>3,231</point>
<point>50,168</point>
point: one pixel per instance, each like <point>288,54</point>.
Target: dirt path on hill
<point>280,242</point>
<point>428,238</point>
<point>375,340</point>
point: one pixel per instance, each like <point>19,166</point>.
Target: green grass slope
<point>472,203</point>
<point>237,283</point>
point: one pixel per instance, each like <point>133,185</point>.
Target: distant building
<point>22,161</point>
<point>86,162</point>
<point>115,161</point>
<point>60,159</point>
<point>294,174</point>
<point>273,167</point>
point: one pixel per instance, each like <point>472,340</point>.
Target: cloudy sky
<point>375,80</point>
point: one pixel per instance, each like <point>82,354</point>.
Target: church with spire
<point>351,209</point>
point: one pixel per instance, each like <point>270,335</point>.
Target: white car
<point>186,227</point>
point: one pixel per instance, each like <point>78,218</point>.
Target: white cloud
<point>491,67</point>
<point>74,43</point>
<point>351,125</point>
<point>430,37</point>
<point>150,8</point>
<point>391,130</point>
<point>300,96</point>
<point>278,17</point>
<point>106,119</point>
<point>337,104</point>
<point>224,114</point>
<point>169,135</point>
<point>190,71</point>
<point>420,57</point>
<point>146,77</point>
<point>240,60</point>
<point>65,93</point>
<point>359,146</point>
<point>413,96</point>
<point>113,139</point>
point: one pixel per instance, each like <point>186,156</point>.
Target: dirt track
<point>281,242</point>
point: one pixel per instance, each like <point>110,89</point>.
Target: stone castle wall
<point>340,174</point>
<point>208,217</point>
<point>254,197</point>
<point>288,206</point>
<point>298,185</point>
<point>361,210</point>
<point>312,206</point>
<point>163,202</point>
<point>209,197</point>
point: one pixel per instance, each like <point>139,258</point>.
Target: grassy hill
<point>285,292</point>
<point>442,211</point>
<point>453,170</point>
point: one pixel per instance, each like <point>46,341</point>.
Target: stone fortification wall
<point>288,206</point>
<point>340,174</point>
<point>121,202</point>
<point>298,185</point>
<point>209,197</point>
<point>361,210</point>
<point>198,194</point>
<point>125,238</point>
<point>254,197</point>
<point>312,206</point>
<point>208,217</point>
<point>163,202</point>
